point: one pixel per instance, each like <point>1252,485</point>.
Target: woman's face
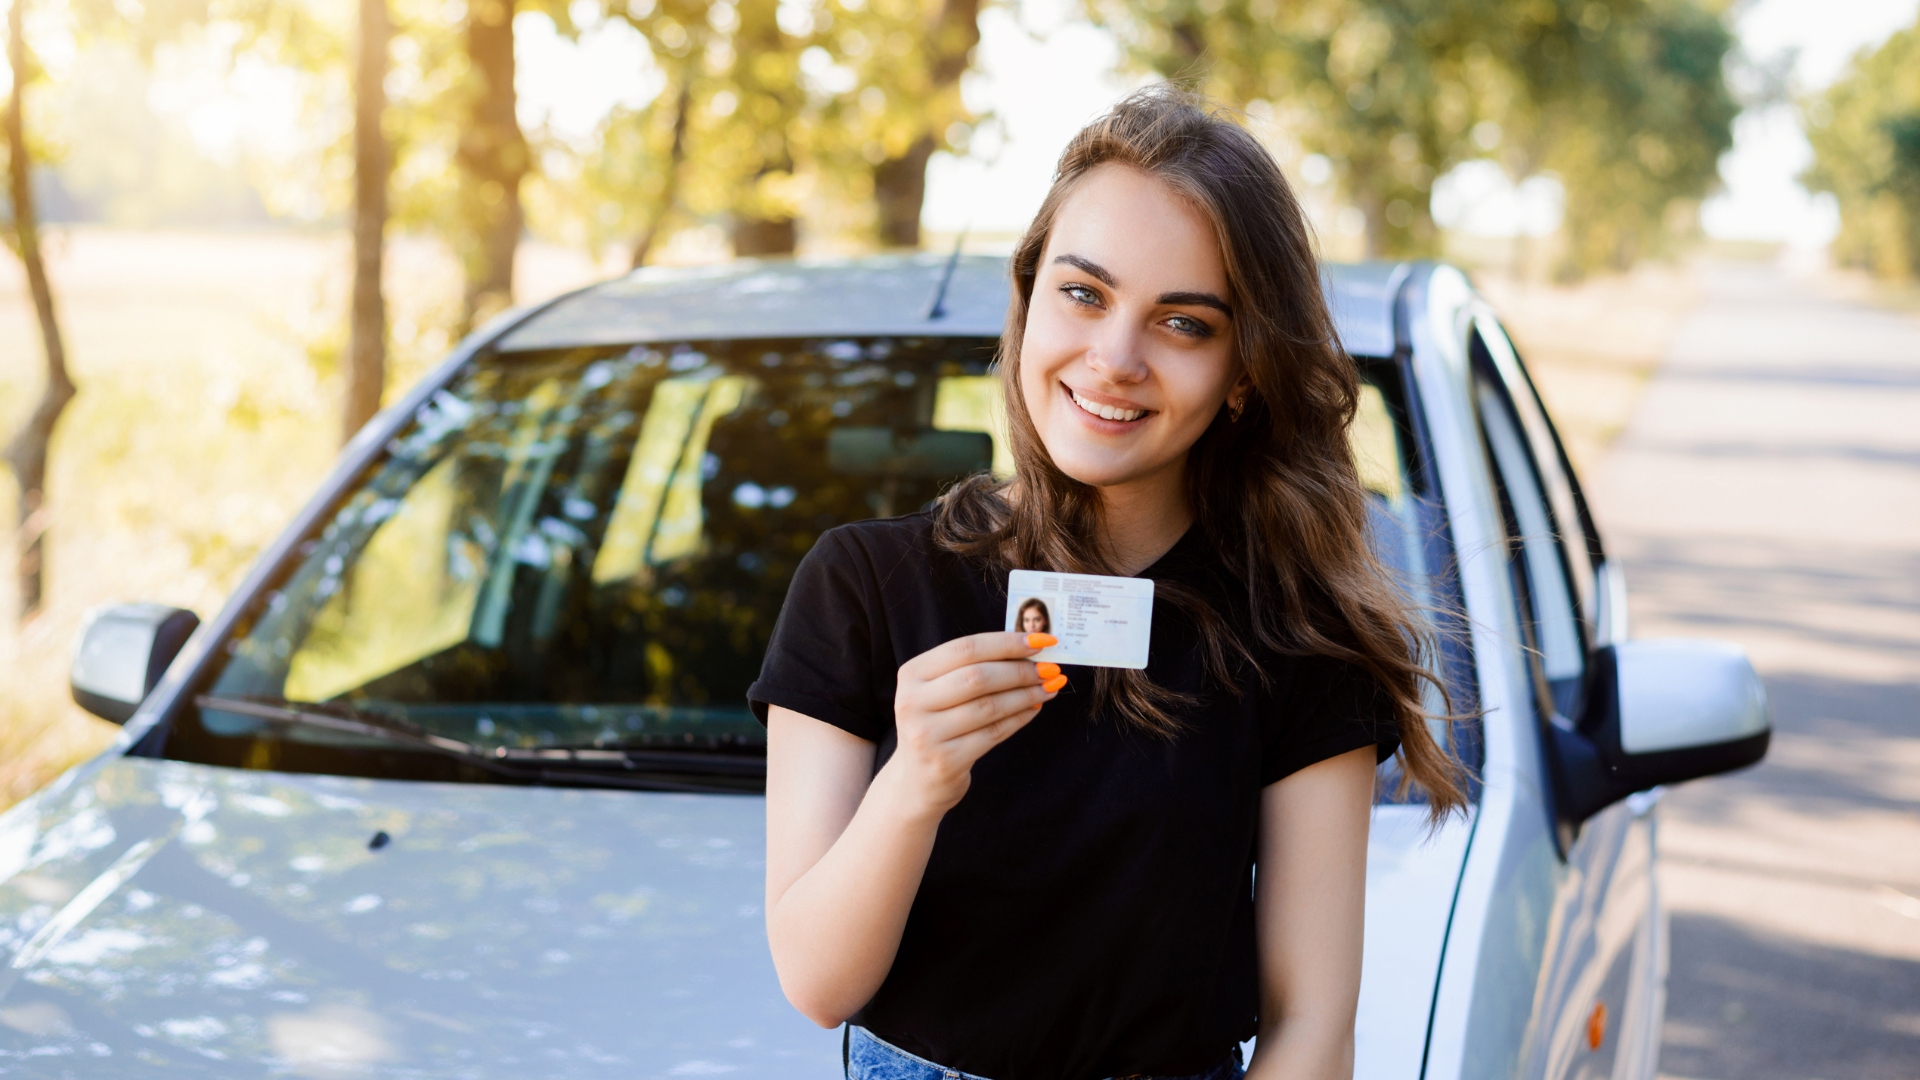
<point>1128,353</point>
<point>1032,622</point>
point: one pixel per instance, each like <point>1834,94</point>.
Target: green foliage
<point>1624,99</point>
<point>789,106</point>
<point>1638,142</point>
<point>785,108</point>
<point>1865,131</point>
<point>1389,90</point>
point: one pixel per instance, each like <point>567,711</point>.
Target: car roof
<point>870,296</point>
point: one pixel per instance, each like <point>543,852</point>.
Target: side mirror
<point>122,652</point>
<point>1661,711</point>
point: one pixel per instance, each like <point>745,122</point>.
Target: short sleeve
<point>1326,708</point>
<point>819,660</point>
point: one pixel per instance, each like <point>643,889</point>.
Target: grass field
<point>208,405</point>
<point>207,367</point>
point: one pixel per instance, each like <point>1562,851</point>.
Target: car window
<point>1407,524</point>
<point>1494,352</point>
<point>1543,587</point>
<point>588,548</point>
<point>1381,452</point>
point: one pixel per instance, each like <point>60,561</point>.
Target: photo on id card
<point>1100,621</point>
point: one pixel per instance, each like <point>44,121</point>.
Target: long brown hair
<point>1275,495</point>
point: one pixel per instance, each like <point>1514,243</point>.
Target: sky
<point>1762,201</point>
<point>1042,79</point>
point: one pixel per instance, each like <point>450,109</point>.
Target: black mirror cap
<point>166,630</point>
<point>1591,770</point>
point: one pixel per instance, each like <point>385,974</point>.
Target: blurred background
<point>238,226</point>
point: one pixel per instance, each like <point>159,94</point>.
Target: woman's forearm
<point>1303,1050</point>
<point>835,930</point>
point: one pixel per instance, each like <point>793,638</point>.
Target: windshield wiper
<point>668,758</point>
<point>548,764</point>
<point>352,721</point>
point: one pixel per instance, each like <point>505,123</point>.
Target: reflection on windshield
<point>590,547</point>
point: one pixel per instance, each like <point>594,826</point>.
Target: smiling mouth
<point>1105,412</point>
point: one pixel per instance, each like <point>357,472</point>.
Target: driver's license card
<point>1100,621</point>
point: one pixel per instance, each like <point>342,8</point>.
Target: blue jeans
<point>870,1057</point>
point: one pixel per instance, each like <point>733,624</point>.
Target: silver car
<point>462,782</point>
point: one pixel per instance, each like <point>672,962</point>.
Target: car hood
<point>160,918</point>
<point>163,918</point>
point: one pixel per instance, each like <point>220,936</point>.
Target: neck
<point>1143,518</point>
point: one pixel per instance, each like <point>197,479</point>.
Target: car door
<point>1598,990</point>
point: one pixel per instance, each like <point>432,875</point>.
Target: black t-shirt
<point>1088,908</point>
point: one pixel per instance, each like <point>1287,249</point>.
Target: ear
<point>1241,389</point>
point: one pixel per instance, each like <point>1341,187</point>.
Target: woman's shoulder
<point>907,534</point>
<point>890,550</point>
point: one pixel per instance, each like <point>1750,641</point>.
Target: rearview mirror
<point>922,454</point>
<point>1663,711</point>
<point>122,652</point>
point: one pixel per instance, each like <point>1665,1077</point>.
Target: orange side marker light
<point>1597,1026</point>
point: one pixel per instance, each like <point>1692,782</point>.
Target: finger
<point>974,649</point>
<point>976,680</point>
<point>988,710</point>
<point>974,744</point>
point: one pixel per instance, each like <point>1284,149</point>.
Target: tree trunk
<point>670,184</point>
<point>900,184</point>
<point>367,343</point>
<point>493,154</point>
<point>765,236</point>
<point>1373,207</point>
<point>27,453</point>
<point>774,99</point>
<point>899,192</point>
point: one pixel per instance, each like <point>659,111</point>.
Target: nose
<point>1119,352</point>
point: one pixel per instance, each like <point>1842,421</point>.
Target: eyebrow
<point>1091,267</point>
<point>1197,299</point>
<point>1185,299</point>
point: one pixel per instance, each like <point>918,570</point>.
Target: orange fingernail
<point>1041,641</point>
<point>1046,671</point>
<point>1053,685</point>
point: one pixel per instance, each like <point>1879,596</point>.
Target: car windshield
<point>587,549</point>
<point>565,568</point>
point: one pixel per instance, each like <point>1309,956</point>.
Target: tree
<point>668,198</point>
<point>1865,131</point>
<point>920,97</point>
<point>1389,90</point>
<point>305,37</point>
<point>494,160</point>
<point>27,453</point>
<point>372,165</point>
<point>770,109</point>
<point>765,94</point>
<point>1632,111</point>
<point>1623,98</point>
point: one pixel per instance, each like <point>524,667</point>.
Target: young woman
<point>1080,902</point>
<point>1033,617</point>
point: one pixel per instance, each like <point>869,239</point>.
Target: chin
<point>1094,474</point>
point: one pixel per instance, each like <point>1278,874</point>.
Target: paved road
<point>1768,491</point>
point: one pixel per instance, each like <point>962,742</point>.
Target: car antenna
<point>937,307</point>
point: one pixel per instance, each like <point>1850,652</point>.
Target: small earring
<point>1235,408</point>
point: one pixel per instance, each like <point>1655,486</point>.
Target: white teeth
<point>1106,412</point>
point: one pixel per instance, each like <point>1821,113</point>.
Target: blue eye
<point>1080,294</point>
<point>1193,327</point>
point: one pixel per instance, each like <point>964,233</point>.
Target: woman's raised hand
<point>959,700</point>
